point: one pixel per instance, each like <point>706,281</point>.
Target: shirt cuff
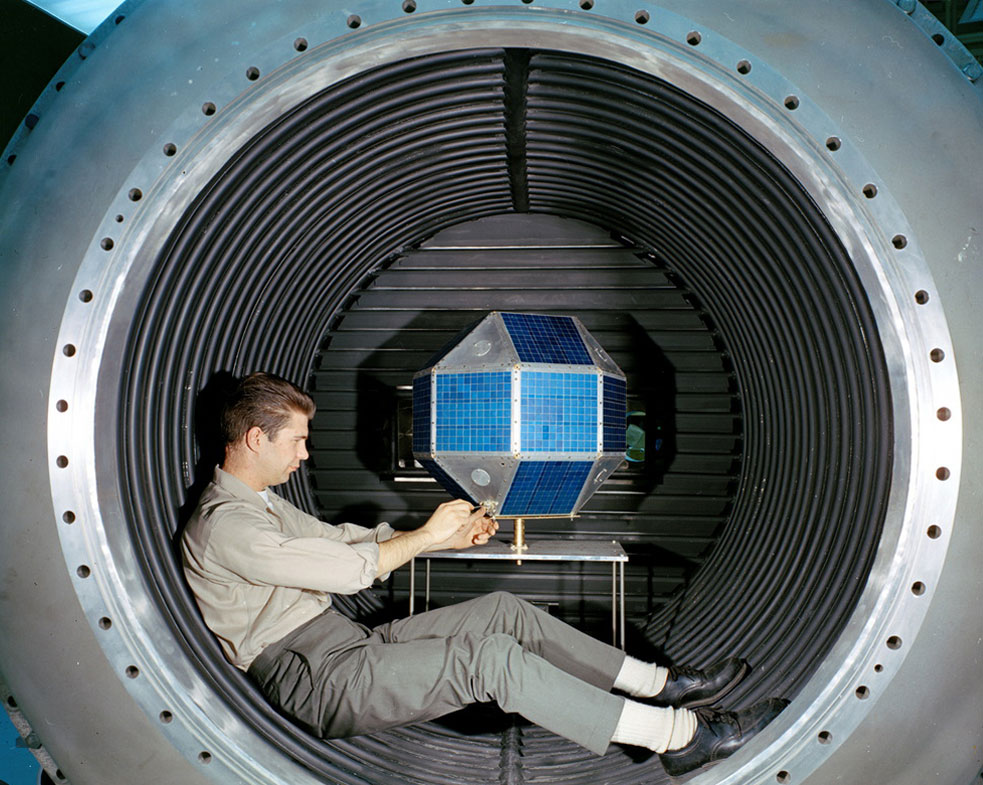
<point>383,532</point>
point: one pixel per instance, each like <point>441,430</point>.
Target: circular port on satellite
<point>481,348</point>
<point>480,477</point>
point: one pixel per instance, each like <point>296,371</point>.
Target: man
<point>263,571</point>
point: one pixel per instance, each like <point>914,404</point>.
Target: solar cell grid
<point>421,414</point>
<point>473,412</point>
<point>558,412</point>
<point>546,488</point>
<point>546,339</point>
<point>615,408</point>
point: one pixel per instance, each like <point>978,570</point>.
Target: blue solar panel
<point>546,487</point>
<point>558,412</point>
<point>615,407</point>
<point>445,480</point>
<point>474,412</point>
<point>546,339</point>
<point>421,414</point>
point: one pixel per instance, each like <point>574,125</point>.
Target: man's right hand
<point>449,519</point>
<point>479,529</point>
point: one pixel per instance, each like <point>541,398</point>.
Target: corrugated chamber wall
<point>332,248</point>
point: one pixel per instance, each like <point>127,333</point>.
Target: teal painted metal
<point>84,15</point>
<point>972,13</point>
<point>17,765</point>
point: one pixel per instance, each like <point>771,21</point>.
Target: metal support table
<point>544,550</point>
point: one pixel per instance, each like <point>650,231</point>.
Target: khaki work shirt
<point>259,571</point>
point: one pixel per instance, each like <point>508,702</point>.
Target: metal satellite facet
<point>525,414</point>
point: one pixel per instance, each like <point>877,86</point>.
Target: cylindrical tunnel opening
<point>726,296</point>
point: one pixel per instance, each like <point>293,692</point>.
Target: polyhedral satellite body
<point>525,414</point>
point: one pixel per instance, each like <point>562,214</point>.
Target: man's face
<point>281,456</point>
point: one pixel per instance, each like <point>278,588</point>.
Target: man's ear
<point>253,438</point>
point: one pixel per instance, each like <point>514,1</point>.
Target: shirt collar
<point>233,485</point>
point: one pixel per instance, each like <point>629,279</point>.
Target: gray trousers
<point>339,678</point>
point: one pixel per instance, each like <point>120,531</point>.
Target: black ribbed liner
<point>284,239</point>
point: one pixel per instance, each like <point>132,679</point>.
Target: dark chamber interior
<point>354,236</point>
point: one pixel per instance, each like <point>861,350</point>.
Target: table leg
<point>621,569</point>
<point>412,584</point>
<point>614,604</point>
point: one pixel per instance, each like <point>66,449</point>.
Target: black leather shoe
<point>719,734</point>
<point>687,688</point>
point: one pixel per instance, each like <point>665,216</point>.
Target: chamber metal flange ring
<point>226,86</point>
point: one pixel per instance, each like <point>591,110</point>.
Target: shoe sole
<point>679,779</point>
<point>710,699</point>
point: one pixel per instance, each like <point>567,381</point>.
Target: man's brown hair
<point>264,400</point>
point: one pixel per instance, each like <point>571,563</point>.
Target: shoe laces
<point>675,671</point>
<point>713,714</point>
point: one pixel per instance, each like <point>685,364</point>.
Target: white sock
<point>641,679</point>
<point>657,729</point>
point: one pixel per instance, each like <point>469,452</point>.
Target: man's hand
<point>479,530</point>
<point>453,525</point>
<point>449,520</point>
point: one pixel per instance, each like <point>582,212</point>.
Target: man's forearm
<point>402,547</point>
<point>453,524</point>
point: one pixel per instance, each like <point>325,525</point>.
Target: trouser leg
<point>340,679</point>
<point>377,686</point>
<point>536,631</point>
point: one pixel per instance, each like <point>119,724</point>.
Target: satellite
<point>524,414</point>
